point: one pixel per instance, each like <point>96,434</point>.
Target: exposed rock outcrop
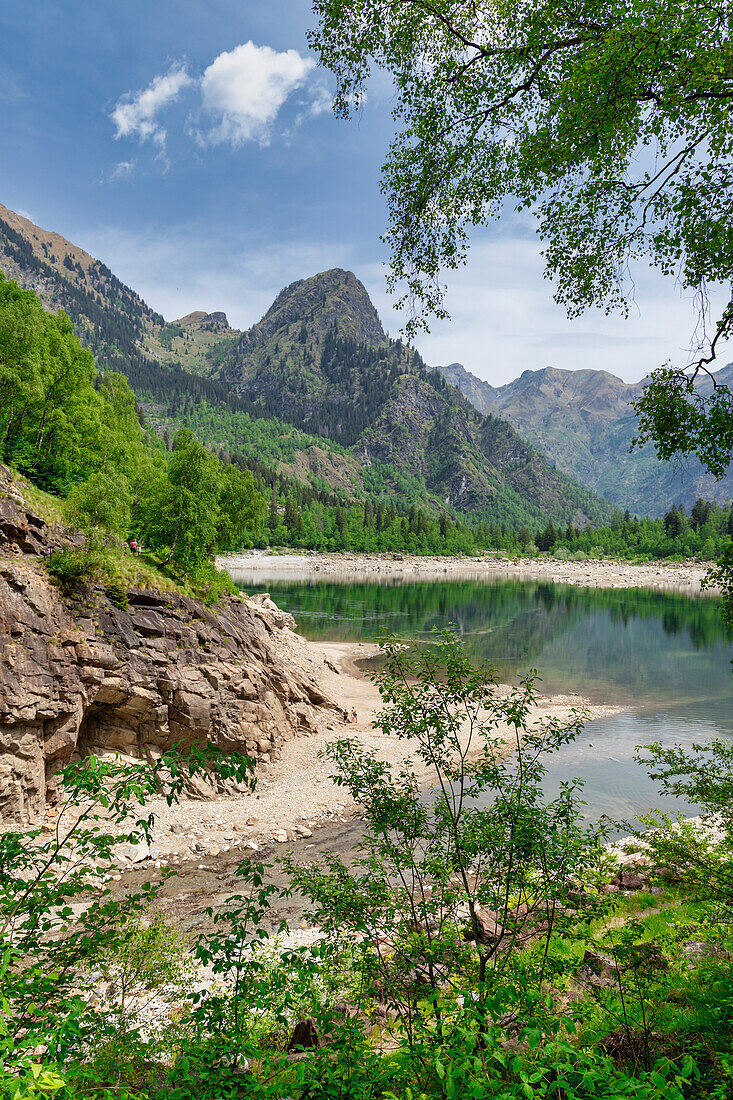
<point>329,298</point>
<point>80,675</point>
<point>21,530</point>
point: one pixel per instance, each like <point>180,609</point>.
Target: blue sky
<point>190,146</point>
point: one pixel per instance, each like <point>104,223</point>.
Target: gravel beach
<point>260,567</point>
<point>294,796</point>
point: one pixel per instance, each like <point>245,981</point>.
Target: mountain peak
<point>210,322</point>
<point>481,394</point>
<point>330,298</point>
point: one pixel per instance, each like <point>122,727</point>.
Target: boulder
<point>309,1034</point>
<point>136,853</point>
<point>698,950</point>
<point>600,964</point>
<point>629,878</point>
<point>490,928</point>
<point>305,1035</point>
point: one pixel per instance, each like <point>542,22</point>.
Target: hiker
<point>354,717</point>
<point>346,717</point>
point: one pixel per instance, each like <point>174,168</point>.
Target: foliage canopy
<point>610,121</point>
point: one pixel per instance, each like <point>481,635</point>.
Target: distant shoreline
<point>261,566</point>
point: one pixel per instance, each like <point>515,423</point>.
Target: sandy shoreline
<point>294,795</point>
<point>261,567</point>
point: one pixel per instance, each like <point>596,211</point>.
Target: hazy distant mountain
<point>583,421</point>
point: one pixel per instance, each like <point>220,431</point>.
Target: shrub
<point>117,595</point>
<point>209,583</point>
<point>51,958</point>
<point>71,567</point>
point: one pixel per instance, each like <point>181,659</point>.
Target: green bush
<point>71,567</point>
<point>117,595</point>
<point>209,583</point>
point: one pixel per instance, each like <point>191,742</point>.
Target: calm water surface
<point>666,657</point>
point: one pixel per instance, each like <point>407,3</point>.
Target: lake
<point>666,657</point>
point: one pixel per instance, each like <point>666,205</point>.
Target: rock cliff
<point>80,675</point>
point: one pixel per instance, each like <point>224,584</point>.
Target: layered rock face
<point>81,676</point>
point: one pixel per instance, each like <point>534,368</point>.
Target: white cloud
<point>321,100</point>
<point>242,93</point>
<point>244,89</point>
<point>136,115</point>
<point>122,170</point>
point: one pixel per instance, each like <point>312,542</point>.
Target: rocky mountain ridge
<point>319,360</point>
<point>583,421</point>
<point>331,298</point>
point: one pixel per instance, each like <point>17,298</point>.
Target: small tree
<point>448,887</point>
<point>103,503</point>
<point>700,852</point>
<point>242,510</point>
<point>183,511</point>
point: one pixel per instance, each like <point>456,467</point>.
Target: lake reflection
<point>666,656</point>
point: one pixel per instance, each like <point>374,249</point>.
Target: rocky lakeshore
<point>294,796</point>
<point>134,672</point>
<point>257,566</point>
<point>79,675</point>
<point>131,673</point>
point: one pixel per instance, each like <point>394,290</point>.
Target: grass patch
<point>139,571</point>
<point>118,570</point>
<point>46,505</point>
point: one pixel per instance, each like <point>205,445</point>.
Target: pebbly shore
<point>261,567</point>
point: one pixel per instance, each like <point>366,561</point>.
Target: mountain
<point>315,390</point>
<point>120,328</point>
<point>583,421</point>
<point>481,395</point>
<point>195,343</point>
<point>321,360</point>
<point>110,318</point>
